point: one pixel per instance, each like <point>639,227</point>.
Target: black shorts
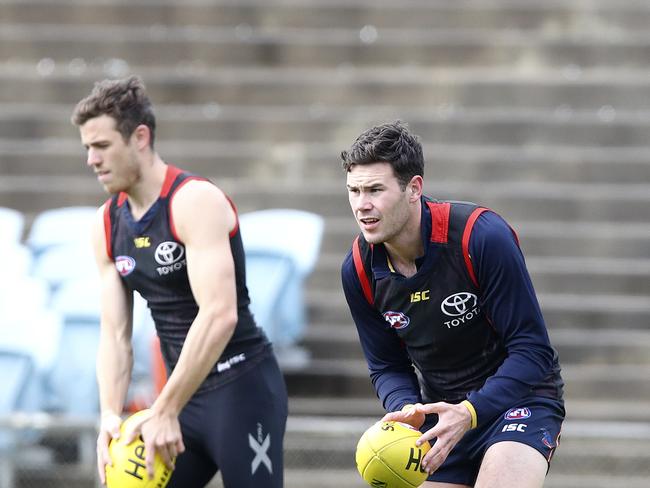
<point>535,421</point>
<point>237,429</point>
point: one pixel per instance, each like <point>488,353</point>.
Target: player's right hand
<point>109,428</point>
<point>410,414</point>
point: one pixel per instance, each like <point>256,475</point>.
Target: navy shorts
<point>535,421</point>
<point>237,429</point>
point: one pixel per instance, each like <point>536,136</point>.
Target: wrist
<point>472,413</point>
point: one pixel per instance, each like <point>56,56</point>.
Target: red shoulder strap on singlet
<point>466,235</point>
<point>361,272</point>
<point>107,228</point>
<point>439,221</point>
<point>170,177</point>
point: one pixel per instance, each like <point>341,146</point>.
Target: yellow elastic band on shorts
<point>472,412</point>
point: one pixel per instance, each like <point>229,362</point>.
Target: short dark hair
<point>125,100</point>
<point>388,143</point>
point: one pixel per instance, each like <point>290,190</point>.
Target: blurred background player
<point>441,289</point>
<point>174,238</point>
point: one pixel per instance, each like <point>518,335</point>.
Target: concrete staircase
<point>539,110</point>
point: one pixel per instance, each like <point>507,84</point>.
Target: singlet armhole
<point>467,233</point>
<point>107,228</point>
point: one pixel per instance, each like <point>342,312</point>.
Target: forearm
<point>396,388</point>
<point>204,344</point>
<point>114,366</point>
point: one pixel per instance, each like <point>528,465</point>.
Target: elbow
<point>223,321</point>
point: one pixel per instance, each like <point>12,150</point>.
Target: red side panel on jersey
<point>466,235</point>
<point>107,228</point>
<point>439,221</point>
<point>361,272</point>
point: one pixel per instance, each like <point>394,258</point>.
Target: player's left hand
<point>162,434</point>
<point>453,422</point>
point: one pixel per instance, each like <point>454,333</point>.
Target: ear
<point>414,188</point>
<point>141,136</point>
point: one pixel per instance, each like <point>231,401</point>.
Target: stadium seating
<point>296,234</point>
<point>12,224</point>
<point>65,225</point>
<point>268,274</point>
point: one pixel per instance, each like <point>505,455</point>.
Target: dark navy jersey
<point>468,320</point>
<point>151,260</point>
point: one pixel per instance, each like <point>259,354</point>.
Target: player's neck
<point>146,191</point>
<point>406,247</point>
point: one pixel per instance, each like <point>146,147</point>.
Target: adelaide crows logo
<point>397,320</point>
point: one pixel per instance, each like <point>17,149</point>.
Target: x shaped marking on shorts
<point>260,453</point>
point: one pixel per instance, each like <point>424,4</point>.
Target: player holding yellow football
<point>441,288</point>
<point>174,237</point>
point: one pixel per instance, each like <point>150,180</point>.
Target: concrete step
<point>561,311</point>
<point>48,81</point>
<point>554,274</point>
<point>54,148</point>
<point>513,137</point>
<point>498,14</point>
<point>626,240</point>
<point>368,45</point>
<point>525,200</point>
<point>349,377</point>
<point>319,453</point>
<point>607,410</point>
<point>575,346</point>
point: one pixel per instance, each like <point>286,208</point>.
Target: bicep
<point>210,265</point>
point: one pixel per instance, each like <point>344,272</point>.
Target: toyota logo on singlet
<point>168,252</point>
<point>458,303</point>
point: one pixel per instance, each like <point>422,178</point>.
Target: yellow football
<point>128,469</point>
<point>387,456</point>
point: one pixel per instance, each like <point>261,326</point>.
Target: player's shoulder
<point>199,192</point>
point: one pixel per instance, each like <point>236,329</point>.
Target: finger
<point>395,416</point>
<point>131,433</point>
<point>103,458</point>
<point>434,459</point>
<point>101,469</point>
<point>149,456</point>
<point>429,435</point>
<point>180,446</point>
<point>438,407</point>
<point>167,455</point>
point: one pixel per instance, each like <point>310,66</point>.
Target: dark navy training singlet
<point>151,260</point>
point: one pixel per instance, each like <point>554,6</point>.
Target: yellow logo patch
<point>141,242</point>
<point>420,296</point>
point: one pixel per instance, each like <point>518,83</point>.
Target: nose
<point>93,158</point>
<point>363,202</point>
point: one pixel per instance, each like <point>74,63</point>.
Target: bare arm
<point>203,219</point>
<point>115,354</point>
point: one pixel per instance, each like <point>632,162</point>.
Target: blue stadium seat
<point>296,234</point>
<point>65,225</point>
<point>17,372</point>
<point>59,263</point>
<point>268,274</point>
<point>78,303</point>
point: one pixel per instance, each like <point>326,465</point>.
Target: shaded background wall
<point>539,110</point>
